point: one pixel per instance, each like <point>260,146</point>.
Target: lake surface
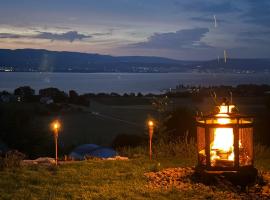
<point>123,82</point>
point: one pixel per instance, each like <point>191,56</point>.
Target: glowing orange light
<point>56,125</point>
<point>223,137</point>
<point>150,123</point>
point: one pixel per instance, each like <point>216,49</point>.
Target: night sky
<point>181,29</point>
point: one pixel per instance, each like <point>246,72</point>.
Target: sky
<point>179,29</point>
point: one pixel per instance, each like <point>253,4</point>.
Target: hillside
<point>43,60</point>
<point>25,60</point>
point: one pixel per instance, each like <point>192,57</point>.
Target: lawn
<point>98,179</point>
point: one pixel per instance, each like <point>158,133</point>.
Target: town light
<point>56,127</point>
<point>150,131</point>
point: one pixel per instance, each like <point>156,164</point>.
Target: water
<point>123,82</point>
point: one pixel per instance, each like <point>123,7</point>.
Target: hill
<point>40,60</point>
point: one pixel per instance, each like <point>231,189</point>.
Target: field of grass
<point>84,180</point>
<point>103,179</point>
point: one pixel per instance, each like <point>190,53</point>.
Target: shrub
<point>12,159</point>
<point>183,147</point>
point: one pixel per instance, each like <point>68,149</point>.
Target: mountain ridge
<point>23,60</point>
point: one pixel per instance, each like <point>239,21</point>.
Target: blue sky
<point>181,29</point>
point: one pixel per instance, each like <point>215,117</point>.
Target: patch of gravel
<point>183,179</point>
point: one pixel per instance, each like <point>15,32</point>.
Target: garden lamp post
<point>56,126</point>
<point>150,131</point>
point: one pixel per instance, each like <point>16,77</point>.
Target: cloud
<point>188,38</point>
<point>70,36</point>
<point>206,19</point>
<point>10,36</point>
<point>258,12</point>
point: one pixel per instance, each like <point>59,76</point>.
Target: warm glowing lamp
<point>56,127</point>
<point>151,131</point>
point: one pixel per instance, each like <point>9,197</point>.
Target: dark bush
<point>178,123</point>
<point>57,95</point>
<point>12,159</point>
<point>73,96</point>
<point>24,91</point>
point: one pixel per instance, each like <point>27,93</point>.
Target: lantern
<point>225,140</point>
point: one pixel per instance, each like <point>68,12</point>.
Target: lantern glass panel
<point>201,145</point>
<point>245,146</point>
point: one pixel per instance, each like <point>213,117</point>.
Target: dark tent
<point>92,150</point>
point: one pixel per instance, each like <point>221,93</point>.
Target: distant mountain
<point>61,61</point>
<point>44,60</point>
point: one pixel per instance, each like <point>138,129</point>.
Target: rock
<point>29,162</point>
<point>117,158</point>
<point>45,160</point>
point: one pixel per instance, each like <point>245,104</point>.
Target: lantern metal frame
<point>237,122</point>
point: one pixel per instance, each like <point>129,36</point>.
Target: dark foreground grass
<point>103,179</point>
<point>94,179</point>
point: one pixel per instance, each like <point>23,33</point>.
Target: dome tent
<point>80,152</point>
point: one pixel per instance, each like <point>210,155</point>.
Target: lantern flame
<point>222,147</point>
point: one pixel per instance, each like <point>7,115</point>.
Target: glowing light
<point>222,147</point>
<point>150,123</point>
<point>226,109</point>
<point>56,125</point>
<point>223,139</point>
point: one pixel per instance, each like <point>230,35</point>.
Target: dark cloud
<point>189,38</point>
<point>70,36</point>
<point>10,35</point>
<point>258,13</point>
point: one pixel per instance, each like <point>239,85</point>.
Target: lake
<point>123,82</point>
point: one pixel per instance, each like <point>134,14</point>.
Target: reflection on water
<point>123,82</point>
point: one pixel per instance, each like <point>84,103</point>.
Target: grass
<point>101,179</point>
<point>81,180</point>
<point>90,180</point>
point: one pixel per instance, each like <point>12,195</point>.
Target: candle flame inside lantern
<point>222,146</point>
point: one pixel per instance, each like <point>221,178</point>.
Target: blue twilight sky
<point>181,29</point>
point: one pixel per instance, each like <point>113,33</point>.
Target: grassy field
<point>85,180</point>
<point>100,179</point>
<point>103,179</point>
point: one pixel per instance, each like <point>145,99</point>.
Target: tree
<point>178,123</point>
<point>161,106</point>
<point>73,96</point>
<point>57,95</point>
<point>25,92</point>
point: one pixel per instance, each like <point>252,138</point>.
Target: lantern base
<point>243,177</point>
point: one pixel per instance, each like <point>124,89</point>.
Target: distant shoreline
<point>101,72</point>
